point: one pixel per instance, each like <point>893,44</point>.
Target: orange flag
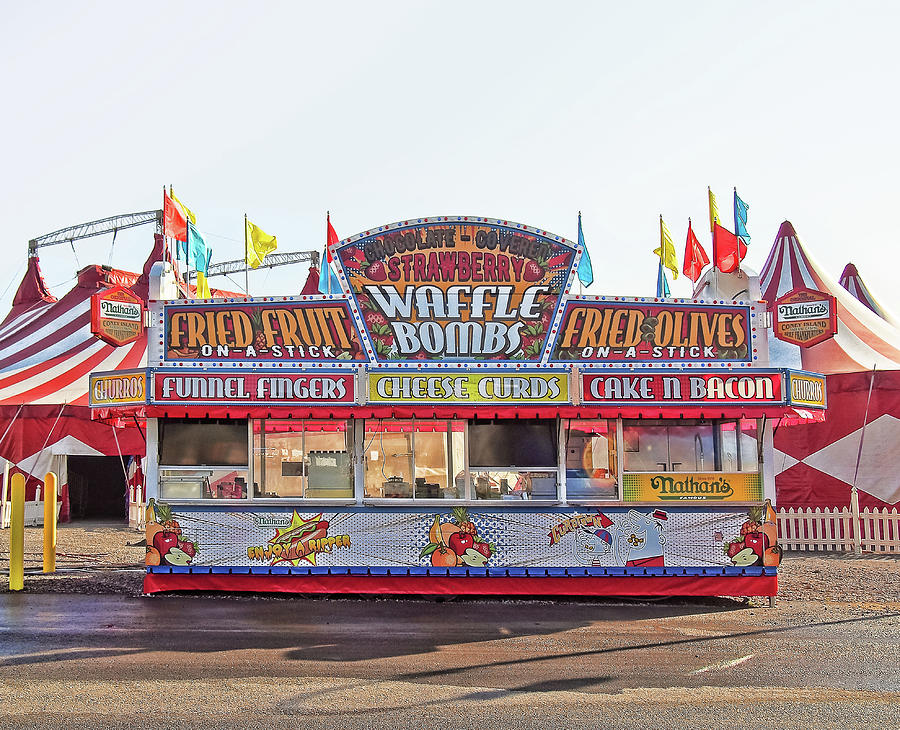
<point>174,222</point>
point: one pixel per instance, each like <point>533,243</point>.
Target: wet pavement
<point>77,660</point>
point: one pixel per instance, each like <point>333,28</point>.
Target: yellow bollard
<point>17,534</point>
<point>50,522</point>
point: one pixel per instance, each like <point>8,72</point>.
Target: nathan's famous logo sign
<point>118,388</point>
<point>299,541</point>
<point>692,487</point>
<point>680,389</point>
<point>805,317</point>
<point>457,289</point>
<point>262,331</point>
<point>631,331</point>
<point>117,316</point>
<point>469,387</point>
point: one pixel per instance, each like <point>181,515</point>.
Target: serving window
<point>203,459</point>
<point>414,459</point>
<point>309,459</point>
<point>514,459</point>
<point>689,446</point>
<point>591,459</point>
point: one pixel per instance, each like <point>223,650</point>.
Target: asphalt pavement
<point>184,661</point>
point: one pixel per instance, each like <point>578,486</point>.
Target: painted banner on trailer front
<point>459,289</point>
<point>261,331</point>
<point>601,537</point>
<point>624,330</point>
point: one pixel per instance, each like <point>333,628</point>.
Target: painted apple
<point>473,558</point>
<point>165,541</point>
<point>755,540</point>
<point>177,556</point>
<point>459,542</point>
<point>745,557</point>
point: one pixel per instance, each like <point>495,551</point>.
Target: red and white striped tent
<point>816,464</point>
<point>853,283</point>
<point>47,352</point>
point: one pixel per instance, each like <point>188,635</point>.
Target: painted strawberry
<point>421,355</point>
<point>374,319</point>
<point>533,271</point>
<point>376,271</point>
<point>484,548</point>
<point>734,548</point>
<point>189,548</point>
<point>546,318</point>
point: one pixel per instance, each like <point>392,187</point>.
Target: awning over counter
<point>481,412</point>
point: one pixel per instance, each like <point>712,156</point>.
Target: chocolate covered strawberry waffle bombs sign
<point>631,331</point>
<point>262,331</point>
<point>459,289</point>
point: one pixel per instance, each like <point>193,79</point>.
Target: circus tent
<point>817,463</point>
<point>853,283</point>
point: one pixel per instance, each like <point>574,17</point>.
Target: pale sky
<point>384,111</point>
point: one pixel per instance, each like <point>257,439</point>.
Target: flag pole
<point>854,492</point>
<point>246,259</point>
<point>327,261</point>
<point>580,286</point>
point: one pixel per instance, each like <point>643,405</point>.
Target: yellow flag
<point>259,243</point>
<point>187,211</point>
<point>713,210</point>
<point>203,291</point>
<point>666,250</point>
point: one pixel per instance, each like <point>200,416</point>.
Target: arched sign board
<point>456,288</point>
<point>117,316</point>
<point>805,317</point>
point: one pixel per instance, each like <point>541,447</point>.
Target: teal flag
<point>740,219</point>
<point>585,270</point>
<point>662,284</point>
<point>195,250</point>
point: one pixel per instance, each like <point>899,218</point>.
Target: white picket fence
<point>832,530</point>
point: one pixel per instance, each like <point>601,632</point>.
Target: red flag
<point>695,257</point>
<point>332,240</point>
<point>728,249</point>
<point>174,222</point>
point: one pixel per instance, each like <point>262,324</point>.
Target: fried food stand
<point>458,421</point>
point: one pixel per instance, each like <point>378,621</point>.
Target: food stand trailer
<point>457,421</point>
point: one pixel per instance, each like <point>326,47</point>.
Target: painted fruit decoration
<point>758,541</point>
<point>455,543</point>
<point>165,543</point>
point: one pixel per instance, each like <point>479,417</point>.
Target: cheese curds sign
<point>457,290</point>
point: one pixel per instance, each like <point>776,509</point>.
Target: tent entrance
<point>97,488</point>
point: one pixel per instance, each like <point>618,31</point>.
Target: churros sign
<point>128,387</point>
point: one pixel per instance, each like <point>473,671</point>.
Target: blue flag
<point>194,250</point>
<point>324,275</point>
<point>740,219</point>
<point>662,284</point>
<point>585,270</point>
